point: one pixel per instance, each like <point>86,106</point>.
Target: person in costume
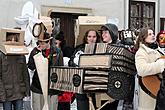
<point>91,36</point>
<point>61,43</point>
<point>14,76</point>
<point>160,99</point>
<point>55,58</point>
<point>64,99</point>
<point>161,39</point>
<point>109,34</point>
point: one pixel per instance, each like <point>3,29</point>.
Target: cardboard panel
<point>16,49</point>
<point>5,31</point>
<point>101,48</point>
<point>95,61</point>
<point>89,48</point>
<point>66,79</point>
<point>85,23</point>
<point>95,80</point>
<point>12,41</point>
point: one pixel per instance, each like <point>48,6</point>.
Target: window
<point>162,23</point>
<point>141,14</point>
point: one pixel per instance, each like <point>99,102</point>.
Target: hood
<point>113,30</point>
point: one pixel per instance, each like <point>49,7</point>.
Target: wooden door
<point>65,22</point>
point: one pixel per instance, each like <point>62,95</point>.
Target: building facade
<point>127,14</point>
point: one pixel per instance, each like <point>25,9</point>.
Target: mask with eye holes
<point>161,39</point>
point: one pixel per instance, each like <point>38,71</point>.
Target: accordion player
<point>110,71</point>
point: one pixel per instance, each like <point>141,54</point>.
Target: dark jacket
<point>14,77</point>
<point>67,51</point>
<point>160,100</point>
<point>80,47</point>
<point>55,59</point>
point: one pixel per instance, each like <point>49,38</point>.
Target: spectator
<point>61,43</point>
<point>147,63</point>
<point>14,78</point>
<point>91,36</point>
<point>161,39</point>
<point>109,34</point>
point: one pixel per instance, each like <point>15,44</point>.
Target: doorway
<point>65,22</point>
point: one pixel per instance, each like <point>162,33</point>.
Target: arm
<point>26,77</point>
<point>77,52</point>
<point>60,58</point>
<point>59,61</point>
<point>31,64</point>
<point>2,91</point>
<point>71,62</point>
<point>0,68</point>
<point>145,66</point>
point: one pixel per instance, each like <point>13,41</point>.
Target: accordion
<point>122,61</point>
<point>116,58</point>
<point>78,80</point>
<point>121,79</point>
<point>102,61</point>
<point>111,72</point>
<point>116,69</point>
<point>66,79</point>
<point>95,80</point>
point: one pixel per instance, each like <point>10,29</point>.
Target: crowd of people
<point>15,80</point>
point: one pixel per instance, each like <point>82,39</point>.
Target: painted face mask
<point>162,40</point>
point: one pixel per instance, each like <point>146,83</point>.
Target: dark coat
<point>55,59</point>
<point>160,100</point>
<point>67,51</point>
<point>80,47</point>
<point>14,77</point>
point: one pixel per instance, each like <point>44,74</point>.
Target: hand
<point>39,48</point>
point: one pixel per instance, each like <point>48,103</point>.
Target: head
<point>59,39</point>
<point>146,36</point>
<point>161,38</point>
<point>91,36</point>
<point>12,37</point>
<point>109,33</point>
<point>45,42</point>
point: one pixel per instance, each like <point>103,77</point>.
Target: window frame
<point>162,23</point>
<point>140,19</point>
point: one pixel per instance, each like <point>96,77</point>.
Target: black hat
<point>59,36</point>
<point>113,30</point>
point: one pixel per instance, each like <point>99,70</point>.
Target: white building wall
<point>112,9</point>
<point>162,8</point>
<point>109,8</point>
<point>9,9</point>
